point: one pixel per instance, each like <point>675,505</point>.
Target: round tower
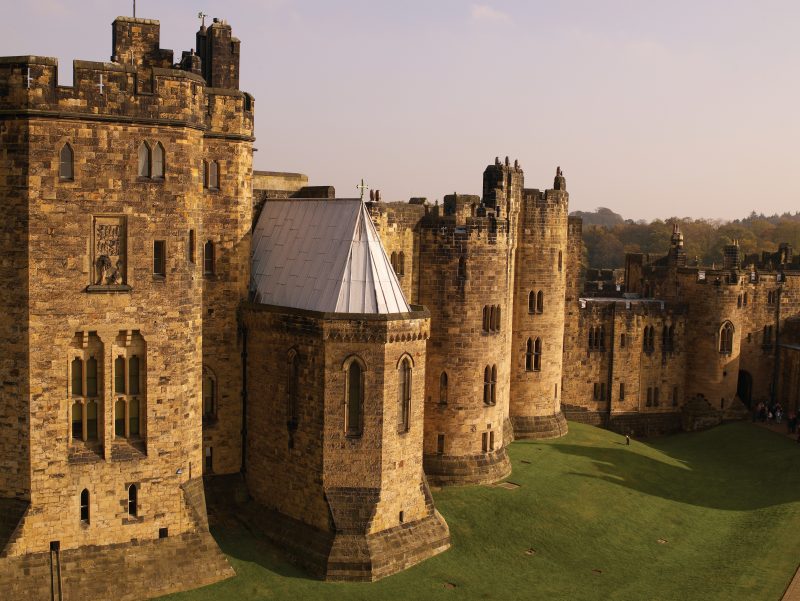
<point>468,251</point>
<point>538,331</point>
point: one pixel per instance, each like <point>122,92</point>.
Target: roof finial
<point>362,186</point>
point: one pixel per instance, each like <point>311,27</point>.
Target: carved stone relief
<point>109,253</point>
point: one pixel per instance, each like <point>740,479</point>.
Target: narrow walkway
<point>793,591</point>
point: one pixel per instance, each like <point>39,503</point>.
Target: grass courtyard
<point>713,515</point>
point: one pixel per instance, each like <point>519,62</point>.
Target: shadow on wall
<point>697,471</point>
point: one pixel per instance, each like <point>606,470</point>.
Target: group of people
<point>774,411</point>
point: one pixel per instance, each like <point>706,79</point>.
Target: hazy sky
<point>652,108</point>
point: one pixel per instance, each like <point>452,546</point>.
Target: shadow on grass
<point>242,544</point>
<point>714,469</point>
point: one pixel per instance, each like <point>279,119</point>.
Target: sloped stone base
<point>351,557</point>
<point>539,426</point>
<point>485,468</point>
<point>125,572</point>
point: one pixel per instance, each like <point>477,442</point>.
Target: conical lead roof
<point>322,255</point>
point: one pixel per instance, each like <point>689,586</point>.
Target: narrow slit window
<point>144,160</point>
<point>158,162</point>
<point>355,399</point>
<point>133,501</point>
<point>85,506</point>
<point>443,388</point>
<point>208,258</point>
<point>160,258</point>
<point>66,168</point>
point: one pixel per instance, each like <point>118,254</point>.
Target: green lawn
<point>726,502</point>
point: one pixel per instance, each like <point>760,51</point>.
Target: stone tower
<point>468,253</point>
<point>224,247</point>
<point>538,331</point>
<point>105,197</point>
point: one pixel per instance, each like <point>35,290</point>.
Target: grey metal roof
<point>322,255</point>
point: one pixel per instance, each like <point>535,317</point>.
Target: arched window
<point>205,173</point>
<point>77,421</point>
<point>622,340</point>
<point>462,268</point>
<point>354,397</point>
<point>208,258</point>
<point>491,318</point>
<point>85,506</point>
<point>601,338</point>
<point>133,375</point>
<point>539,301</point>
<point>591,339</point>
<point>726,338</point>
<point>531,302</point>
<point>443,388</point>
<point>119,419</point>
<point>293,391</point>
<point>209,394</point>
<point>744,301</point>
<point>133,500</point>
<point>133,417</point>
<point>157,171</point>
<point>191,247</point>
<point>401,263</point>
<point>487,385</point>
<point>537,354</point>
<point>671,338</point>
<point>739,301</point>
<point>119,375</point>
<point>77,377</point>
<point>213,175</point>
<point>66,163</point>
<point>91,420</point>
<point>497,318</point>
<point>144,160</point>
<point>560,260</point>
<point>393,261</point>
<point>529,355</point>
<point>404,395</point>
<point>494,384</point>
<point>91,377</point>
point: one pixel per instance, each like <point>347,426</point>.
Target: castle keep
<point>173,318</point>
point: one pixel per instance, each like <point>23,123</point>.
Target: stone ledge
<point>539,426</point>
<point>485,468</point>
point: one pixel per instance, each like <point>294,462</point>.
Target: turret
<point>219,53</point>
<point>136,42</point>
<point>677,254</point>
<point>731,257</point>
<point>539,310</point>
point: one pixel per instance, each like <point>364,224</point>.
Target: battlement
<point>142,86</point>
<point>574,227</point>
<point>632,306</point>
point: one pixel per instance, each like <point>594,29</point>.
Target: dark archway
<point>744,387</point>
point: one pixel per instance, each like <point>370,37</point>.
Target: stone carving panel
<point>109,253</point>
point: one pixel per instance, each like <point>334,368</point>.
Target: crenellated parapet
<point>139,86</point>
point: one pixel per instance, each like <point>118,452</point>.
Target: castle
<point>172,316</point>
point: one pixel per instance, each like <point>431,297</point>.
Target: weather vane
<point>202,16</point>
<point>362,187</point>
